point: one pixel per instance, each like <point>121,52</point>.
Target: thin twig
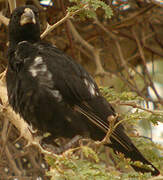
<point>66,17</point>
<point>134,105</point>
<point>52,27</point>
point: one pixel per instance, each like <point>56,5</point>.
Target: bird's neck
<point>16,39</point>
<point>28,33</point>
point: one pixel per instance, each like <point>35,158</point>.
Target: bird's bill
<point>27,17</point>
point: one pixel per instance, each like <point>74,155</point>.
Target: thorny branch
<point>66,17</point>
<point>51,28</point>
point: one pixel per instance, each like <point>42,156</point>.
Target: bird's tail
<point>130,151</point>
<point>97,110</point>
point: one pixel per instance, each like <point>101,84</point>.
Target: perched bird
<point>54,93</point>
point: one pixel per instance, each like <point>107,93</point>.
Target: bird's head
<point>24,24</point>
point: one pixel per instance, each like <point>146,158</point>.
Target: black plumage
<point>54,93</point>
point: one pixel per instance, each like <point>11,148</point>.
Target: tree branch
<point>95,52</point>
<point>134,105</point>
<point>52,27</point>
<point>4,19</point>
<point>12,5</point>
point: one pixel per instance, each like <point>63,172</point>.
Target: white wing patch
<point>38,67</point>
<point>91,87</point>
<point>40,71</point>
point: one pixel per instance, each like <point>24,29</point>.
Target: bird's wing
<point>78,89</point>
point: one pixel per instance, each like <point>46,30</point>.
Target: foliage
<point>143,116</point>
<point>89,8</point>
<point>112,95</point>
<point>72,167</point>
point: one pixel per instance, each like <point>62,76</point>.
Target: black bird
<point>54,93</point>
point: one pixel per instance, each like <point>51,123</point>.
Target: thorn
<point>33,131</point>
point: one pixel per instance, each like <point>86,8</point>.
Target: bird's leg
<point>62,149</point>
<point>74,141</point>
<point>111,119</point>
